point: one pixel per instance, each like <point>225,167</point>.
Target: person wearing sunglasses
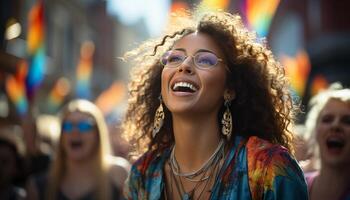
<point>209,113</point>
<point>83,167</point>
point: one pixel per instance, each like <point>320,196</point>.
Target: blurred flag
<point>16,88</point>
<point>215,4</point>
<point>297,70</point>
<point>110,98</point>
<point>177,15</point>
<point>318,84</point>
<point>58,93</point>
<point>84,70</point>
<point>35,48</point>
<point>178,7</point>
<point>258,14</point>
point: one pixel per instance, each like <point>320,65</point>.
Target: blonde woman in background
<point>328,131</point>
<point>82,167</point>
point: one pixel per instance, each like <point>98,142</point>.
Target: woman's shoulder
<point>146,169</point>
<point>270,166</point>
<point>119,169</point>
<point>264,154</point>
<point>310,177</point>
<point>263,149</point>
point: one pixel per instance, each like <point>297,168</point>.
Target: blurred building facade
<point>68,25</point>
<point>322,29</point>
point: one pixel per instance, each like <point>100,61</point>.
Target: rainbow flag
<point>177,11</point>
<point>258,14</point>
<point>35,48</point>
<point>84,70</point>
<point>215,4</point>
<point>297,70</point>
<point>58,93</point>
<point>111,97</point>
<point>318,84</point>
<point>16,88</point>
<point>178,6</point>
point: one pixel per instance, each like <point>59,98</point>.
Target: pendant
<point>186,196</point>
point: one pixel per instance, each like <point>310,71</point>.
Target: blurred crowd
<point>78,160</point>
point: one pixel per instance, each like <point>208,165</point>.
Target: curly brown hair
<point>263,106</point>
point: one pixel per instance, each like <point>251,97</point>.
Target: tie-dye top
<point>253,169</point>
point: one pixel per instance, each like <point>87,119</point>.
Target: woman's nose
<point>336,126</point>
<point>187,66</point>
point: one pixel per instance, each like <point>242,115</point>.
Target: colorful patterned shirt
<point>253,169</point>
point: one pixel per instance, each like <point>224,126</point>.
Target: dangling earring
<point>158,119</point>
<point>226,120</point>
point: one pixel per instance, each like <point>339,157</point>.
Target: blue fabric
<point>276,176</point>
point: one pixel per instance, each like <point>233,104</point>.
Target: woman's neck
<point>331,183</point>
<point>340,177</point>
<point>79,168</point>
<point>195,141</point>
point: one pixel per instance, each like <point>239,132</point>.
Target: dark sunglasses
<point>202,59</point>
<point>82,126</point>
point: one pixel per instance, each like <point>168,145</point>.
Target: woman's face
<point>333,133</point>
<point>79,136</point>
<point>189,89</point>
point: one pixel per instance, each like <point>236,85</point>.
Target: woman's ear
<point>229,94</point>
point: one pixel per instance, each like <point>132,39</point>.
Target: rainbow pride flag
<point>58,93</point>
<point>258,14</point>
<point>84,70</point>
<point>111,97</point>
<point>35,48</point>
<point>297,70</point>
<point>177,12</point>
<point>215,4</point>
<point>318,84</point>
<point>16,88</point>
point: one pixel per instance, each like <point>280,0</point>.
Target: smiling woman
<point>328,129</point>
<point>197,85</point>
<point>209,113</point>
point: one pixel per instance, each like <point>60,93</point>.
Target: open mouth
<point>76,144</point>
<point>184,87</point>
<point>335,144</point>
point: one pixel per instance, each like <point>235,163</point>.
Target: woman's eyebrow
<point>205,50</point>
<point>180,49</point>
<point>199,50</point>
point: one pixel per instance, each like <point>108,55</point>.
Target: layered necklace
<point>199,176</point>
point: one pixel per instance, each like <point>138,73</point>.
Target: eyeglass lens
<point>174,58</point>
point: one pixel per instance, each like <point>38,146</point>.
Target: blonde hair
<point>101,160</point>
<point>317,104</point>
<point>263,106</point>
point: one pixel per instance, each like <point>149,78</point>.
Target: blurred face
<point>194,76</point>
<point>333,133</point>
<point>79,136</point>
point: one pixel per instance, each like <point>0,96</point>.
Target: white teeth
<point>184,84</point>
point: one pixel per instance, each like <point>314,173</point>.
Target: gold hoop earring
<point>158,119</point>
<point>226,120</point>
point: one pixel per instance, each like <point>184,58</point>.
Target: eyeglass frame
<point>193,58</point>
